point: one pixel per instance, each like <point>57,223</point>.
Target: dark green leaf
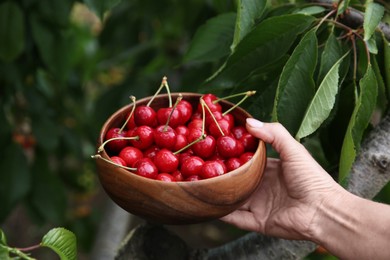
<point>322,103</point>
<point>46,132</point>
<point>331,54</point>
<point>268,42</point>
<point>212,40</point>
<point>386,51</point>
<point>296,85</point>
<point>359,121</point>
<point>248,11</point>
<point>373,15</point>
<point>55,12</point>
<point>382,100</point>
<point>63,242</point>
<point>11,31</point>
<point>14,178</point>
<point>101,6</point>
<point>47,192</point>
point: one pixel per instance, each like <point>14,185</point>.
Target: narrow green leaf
<point>3,239</point>
<point>248,11</point>
<point>14,178</point>
<point>359,121</point>
<point>63,242</point>
<point>311,10</point>
<point>212,40</point>
<point>331,54</point>
<point>296,85</point>
<point>373,15</point>
<point>11,31</point>
<point>266,43</point>
<point>322,103</point>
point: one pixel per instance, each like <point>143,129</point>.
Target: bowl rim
<point>261,148</point>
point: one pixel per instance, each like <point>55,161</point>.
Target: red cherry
<point>205,148</point>
<point>130,155</point>
<point>166,161</point>
<point>165,177</point>
<point>238,131</point>
<point>182,130</point>
<point>115,146</point>
<point>196,115</point>
<point>165,137</point>
<point>131,123</point>
<point>215,116</point>
<point>151,152</point>
<point>227,146</point>
<point>184,156</point>
<point>230,119</point>
<point>223,125</point>
<point>181,142</point>
<point>233,163</point>
<point>118,160</point>
<point>194,133</point>
<point>249,141</point>
<point>146,168</point>
<point>191,166</point>
<point>212,169</point>
<point>145,137</point>
<point>177,175</point>
<point>185,109</point>
<point>144,115</point>
<point>195,123</point>
<point>163,116</point>
<point>246,157</point>
<point>208,99</point>
<point>193,178</point>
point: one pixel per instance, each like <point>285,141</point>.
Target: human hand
<point>291,191</point>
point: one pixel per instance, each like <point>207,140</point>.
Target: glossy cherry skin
<point>177,175</point>
<point>246,157</point>
<point>191,166</point>
<point>146,168</point>
<point>205,148</point>
<point>212,169</point>
<point>144,115</point>
<point>131,123</point>
<point>115,146</point>
<point>195,123</point>
<point>118,160</point>
<point>249,142</point>
<point>151,152</point>
<point>185,109</point>
<point>163,116</point>
<point>166,161</point>
<point>227,146</point>
<point>182,130</point>
<point>165,137</point>
<point>208,99</point>
<point>238,131</point>
<point>131,155</point>
<point>223,125</point>
<point>193,178</point>
<point>181,142</point>
<point>233,163</point>
<point>145,137</point>
<point>165,177</point>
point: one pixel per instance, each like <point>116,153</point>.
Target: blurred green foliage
<point>65,66</point>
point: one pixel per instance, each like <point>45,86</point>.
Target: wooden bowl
<point>179,202</point>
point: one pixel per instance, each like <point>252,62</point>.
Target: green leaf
<point>371,45</point>
<point>266,43</point>
<point>63,242</point>
<point>296,85</point>
<point>373,16</point>
<point>212,40</point>
<point>14,178</point>
<point>311,10</point>
<point>248,11</point>
<point>11,31</point>
<point>331,54</point>
<point>359,121</point>
<point>3,239</point>
<point>343,6</point>
<point>386,51</point>
<point>100,7</point>
<point>322,103</point>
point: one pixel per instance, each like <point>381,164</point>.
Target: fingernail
<point>254,122</point>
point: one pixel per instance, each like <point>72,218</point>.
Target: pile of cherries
<point>180,142</point>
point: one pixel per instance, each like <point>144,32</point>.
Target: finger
<point>243,219</point>
<point>276,135</point>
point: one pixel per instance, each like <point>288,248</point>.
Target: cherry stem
<point>247,94</point>
<point>101,147</point>
<point>162,85</point>
<point>202,137</point>
<point>212,116</point>
<point>179,98</point>
<point>28,248</point>
<point>98,156</point>
<point>165,83</point>
<point>130,115</point>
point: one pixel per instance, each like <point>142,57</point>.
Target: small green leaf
<point>373,16</point>
<point>212,40</point>
<point>371,45</point>
<point>3,239</point>
<point>331,54</point>
<point>248,11</point>
<point>266,43</point>
<point>311,10</point>
<point>296,85</point>
<point>359,121</point>
<point>63,242</point>
<point>322,103</point>
<point>11,31</point>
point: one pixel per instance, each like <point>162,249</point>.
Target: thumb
<point>276,135</point>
